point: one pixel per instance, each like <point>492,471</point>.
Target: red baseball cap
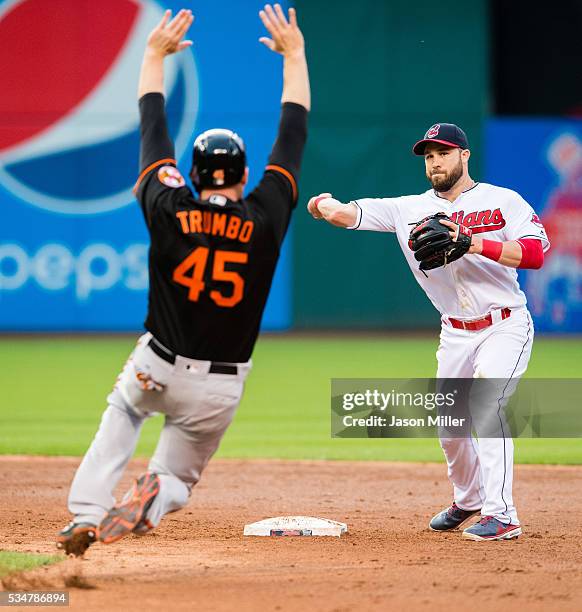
<point>445,133</point>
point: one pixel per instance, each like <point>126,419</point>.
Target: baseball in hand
<point>312,205</point>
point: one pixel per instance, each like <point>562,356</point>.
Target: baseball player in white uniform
<point>487,330</point>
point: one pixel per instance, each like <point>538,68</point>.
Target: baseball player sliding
<point>466,242</point>
<point>211,262</point>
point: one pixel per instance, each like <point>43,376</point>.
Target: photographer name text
<point>380,421</point>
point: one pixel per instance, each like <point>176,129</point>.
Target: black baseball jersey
<point>211,262</point>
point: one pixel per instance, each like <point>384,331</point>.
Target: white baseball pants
<point>481,472</point>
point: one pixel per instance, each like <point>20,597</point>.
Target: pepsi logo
<point>433,131</point>
<point>69,134</point>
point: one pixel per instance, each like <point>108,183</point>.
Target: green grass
<point>11,562</point>
<point>54,392</point>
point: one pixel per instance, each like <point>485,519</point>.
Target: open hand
<point>166,37</point>
<point>286,37</point>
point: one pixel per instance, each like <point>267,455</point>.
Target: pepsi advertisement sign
<point>542,160</point>
<point>73,245</point>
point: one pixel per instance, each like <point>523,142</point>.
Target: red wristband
<point>492,249</point>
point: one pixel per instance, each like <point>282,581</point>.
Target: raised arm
<point>287,39</point>
<point>156,146</point>
<point>165,39</point>
<point>277,191</point>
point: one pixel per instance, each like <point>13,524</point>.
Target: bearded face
<point>444,175</point>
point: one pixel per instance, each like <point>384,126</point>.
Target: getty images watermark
<point>383,402</point>
<point>456,407</point>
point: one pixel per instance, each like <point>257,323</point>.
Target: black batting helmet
<point>218,159</point>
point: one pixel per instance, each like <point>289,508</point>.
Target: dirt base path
<point>198,558</point>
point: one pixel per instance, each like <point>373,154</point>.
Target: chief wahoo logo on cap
<point>433,131</point>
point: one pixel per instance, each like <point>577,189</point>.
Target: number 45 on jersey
<point>190,273</point>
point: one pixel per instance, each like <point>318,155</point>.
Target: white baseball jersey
<point>473,285</point>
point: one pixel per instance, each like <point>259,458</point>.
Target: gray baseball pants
<point>198,408</point>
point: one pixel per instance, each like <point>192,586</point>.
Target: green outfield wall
<point>382,72</point>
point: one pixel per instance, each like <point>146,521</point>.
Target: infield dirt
<point>199,559</point>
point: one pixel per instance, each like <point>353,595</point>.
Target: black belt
<point>215,366</point>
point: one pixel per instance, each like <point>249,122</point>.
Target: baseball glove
<point>433,245</point>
